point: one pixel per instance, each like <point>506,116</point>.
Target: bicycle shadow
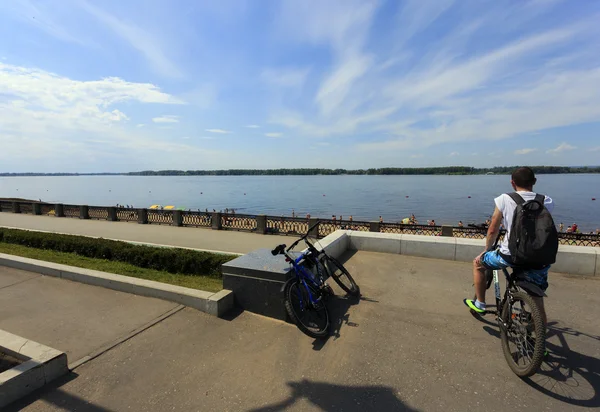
<point>338,314</point>
<point>329,397</point>
<point>566,375</point>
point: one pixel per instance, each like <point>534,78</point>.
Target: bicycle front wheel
<point>341,276</point>
<point>310,317</point>
<point>523,334</point>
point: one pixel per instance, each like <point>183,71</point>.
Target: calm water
<point>443,198</point>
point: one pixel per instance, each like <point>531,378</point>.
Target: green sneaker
<point>471,304</point>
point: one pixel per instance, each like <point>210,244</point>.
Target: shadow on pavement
<point>53,394</point>
<point>566,375</point>
<point>330,397</point>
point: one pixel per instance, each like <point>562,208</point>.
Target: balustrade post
<point>59,210</point>
<point>447,231</point>
<point>217,224</point>
<point>37,208</point>
<point>315,231</point>
<point>84,212</point>
<point>112,214</point>
<point>261,224</point>
<point>374,227</point>
<point>16,207</point>
<point>177,218</point>
<point>142,216</point>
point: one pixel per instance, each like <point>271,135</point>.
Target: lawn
<point>210,284</point>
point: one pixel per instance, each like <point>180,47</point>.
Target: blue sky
<point>131,85</point>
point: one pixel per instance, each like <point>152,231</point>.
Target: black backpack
<point>533,240</point>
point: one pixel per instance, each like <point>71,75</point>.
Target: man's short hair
<point>523,177</point>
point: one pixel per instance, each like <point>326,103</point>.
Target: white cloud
<point>185,137</point>
<point>416,156</point>
<point>252,126</point>
<point>140,39</point>
<point>595,149</point>
<point>207,137</point>
<point>169,118</point>
<point>220,131</point>
<point>563,147</point>
<point>273,134</point>
<point>140,125</point>
<point>285,77</point>
<point>525,151</point>
<point>453,154</point>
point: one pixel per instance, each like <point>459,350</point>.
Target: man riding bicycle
<point>522,182</point>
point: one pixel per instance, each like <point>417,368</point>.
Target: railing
<point>283,225</point>
<point>198,219</point>
<point>100,213</point>
<point>295,226</point>
<point>162,217</point>
<point>401,228</point>
<point>238,222</point>
<point>127,215</point>
<point>71,211</point>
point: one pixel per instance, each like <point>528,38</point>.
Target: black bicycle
<point>519,317</point>
<point>306,293</point>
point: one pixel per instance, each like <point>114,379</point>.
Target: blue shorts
<point>493,260</point>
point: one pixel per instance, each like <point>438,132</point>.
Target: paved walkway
<point>408,345</point>
<point>198,238</point>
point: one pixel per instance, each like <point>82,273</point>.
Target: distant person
<point>308,215</point>
<point>432,222</point>
<point>350,220</point>
<point>561,227</point>
<point>598,231</point>
<point>341,218</point>
<point>575,228</point>
<point>293,213</point>
<point>333,218</point>
<point>460,224</point>
<point>380,219</point>
<point>523,179</point>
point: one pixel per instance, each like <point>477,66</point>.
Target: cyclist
<point>522,182</point>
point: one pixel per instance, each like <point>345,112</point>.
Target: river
<point>447,199</point>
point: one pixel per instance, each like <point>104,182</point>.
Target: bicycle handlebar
<point>279,250</point>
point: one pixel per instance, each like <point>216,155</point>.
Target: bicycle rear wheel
<point>523,334</point>
<point>310,318</point>
<point>341,276</point>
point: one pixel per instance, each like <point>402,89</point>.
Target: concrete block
<point>576,260</point>
<point>375,242</point>
<point>220,303</point>
<point>30,265</point>
<point>335,244</point>
<point>468,249</point>
<point>56,367</point>
<point>429,246</point>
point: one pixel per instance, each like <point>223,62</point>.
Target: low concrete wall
<point>41,365</point>
<point>576,260</point>
<point>212,303</point>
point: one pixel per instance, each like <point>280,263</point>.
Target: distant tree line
<point>450,170</point>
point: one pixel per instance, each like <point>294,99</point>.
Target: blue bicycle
<point>306,293</point>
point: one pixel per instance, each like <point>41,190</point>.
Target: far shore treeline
<point>450,170</point>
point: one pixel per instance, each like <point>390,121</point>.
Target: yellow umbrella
<point>406,220</point>
<point>154,207</point>
<point>169,207</point>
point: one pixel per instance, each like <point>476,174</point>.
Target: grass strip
<point>210,284</point>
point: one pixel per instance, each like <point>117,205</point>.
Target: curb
<point>216,304</point>
<point>40,365</point>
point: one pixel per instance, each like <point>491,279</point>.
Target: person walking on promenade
<point>460,223</point>
<point>561,227</point>
<point>523,180</point>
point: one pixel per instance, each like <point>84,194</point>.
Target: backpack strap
<point>540,199</point>
<point>517,198</point>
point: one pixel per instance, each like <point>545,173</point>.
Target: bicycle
<point>305,294</point>
<point>520,321</point>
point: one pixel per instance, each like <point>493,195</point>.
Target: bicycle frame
<point>303,275</point>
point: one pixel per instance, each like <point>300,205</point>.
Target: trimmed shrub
<point>171,260</point>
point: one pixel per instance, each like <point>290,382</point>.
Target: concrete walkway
<point>408,345</point>
<point>192,237</point>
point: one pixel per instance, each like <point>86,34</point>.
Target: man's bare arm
<point>493,230</point>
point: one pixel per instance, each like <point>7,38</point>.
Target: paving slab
<point>69,316</point>
<point>409,344</point>
<point>192,237</point>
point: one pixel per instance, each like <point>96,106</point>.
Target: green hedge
<point>183,261</point>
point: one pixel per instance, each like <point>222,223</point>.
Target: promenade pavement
<point>192,237</point>
<point>409,344</point>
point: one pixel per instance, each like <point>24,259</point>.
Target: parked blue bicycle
<point>306,293</point>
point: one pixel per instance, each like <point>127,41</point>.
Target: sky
<point>117,86</point>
